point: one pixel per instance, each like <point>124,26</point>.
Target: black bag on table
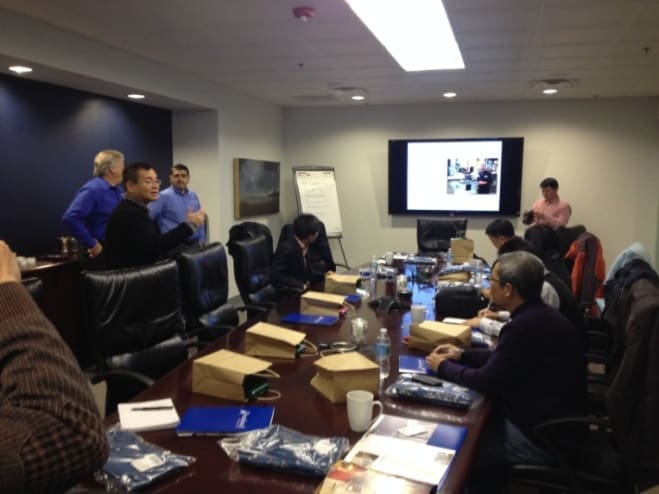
<point>458,300</point>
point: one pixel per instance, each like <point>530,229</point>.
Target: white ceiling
<point>258,47</point>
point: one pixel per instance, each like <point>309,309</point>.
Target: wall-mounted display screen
<point>462,176</point>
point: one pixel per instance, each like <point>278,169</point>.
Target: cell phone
<point>425,379</point>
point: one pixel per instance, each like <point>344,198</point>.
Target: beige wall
<point>603,152</point>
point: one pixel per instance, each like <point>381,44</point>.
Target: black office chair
<point>434,236</point>
<point>205,287</point>
<point>591,465</point>
<point>135,326</point>
<point>34,286</point>
<point>252,259</point>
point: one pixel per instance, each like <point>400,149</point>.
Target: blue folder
<point>411,364</point>
<point>448,436</point>
<point>214,421</point>
<point>297,318</point>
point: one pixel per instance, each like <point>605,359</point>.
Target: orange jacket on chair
<point>588,271</point>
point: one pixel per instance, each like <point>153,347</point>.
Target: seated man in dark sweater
<point>291,270</point>
<point>132,237</point>
<point>536,372</point>
<point>502,232</point>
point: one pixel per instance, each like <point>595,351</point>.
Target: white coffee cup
<point>358,329</point>
<point>360,405</point>
<point>388,258</point>
<point>418,313</point>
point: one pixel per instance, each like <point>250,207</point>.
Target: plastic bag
<point>134,463</point>
<point>284,449</point>
<point>448,394</point>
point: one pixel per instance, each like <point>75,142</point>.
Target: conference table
<point>301,407</point>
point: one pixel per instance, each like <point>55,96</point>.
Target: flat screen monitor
<point>476,176</point>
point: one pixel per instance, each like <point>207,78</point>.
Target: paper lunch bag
<point>269,340</point>
<point>322,304</point>
<point>462,250</point>
<point>428,334</point>
<point>341,284</point>
<point>224,374</point>
<point>342,372</point>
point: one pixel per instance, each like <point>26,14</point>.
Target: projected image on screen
<point>456,175</point>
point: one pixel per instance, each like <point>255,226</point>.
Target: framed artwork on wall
<point>255,187</point>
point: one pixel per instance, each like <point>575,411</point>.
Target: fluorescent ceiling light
<point>20,69</point>
<point>417,33</point>
<point>450,94</point>
<point>358,97</point>
<point>136,96</point>
<point>550,90</point>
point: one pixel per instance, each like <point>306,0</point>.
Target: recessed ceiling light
<point>136,96</point>
<point>20,69</point>
<point>450,94</point>
<point>358,97</point>
<point>417,33</point>
<point>550,90</point>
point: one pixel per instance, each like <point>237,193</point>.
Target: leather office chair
<point>135,325</point>
<point>596,465</point>
<point>252,258</point>
<point>205,288</point>
<point>34,286</point>
<point>434,236</point>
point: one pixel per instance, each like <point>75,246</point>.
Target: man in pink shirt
<point>550,210</point>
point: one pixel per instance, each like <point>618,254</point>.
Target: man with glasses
<point>537,371</point>
<point>132,237</point>
<point>173,205</point>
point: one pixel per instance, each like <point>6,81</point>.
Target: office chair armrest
<point>254,307</point>
<point>121,375</point>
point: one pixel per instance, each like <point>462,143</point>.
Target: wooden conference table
<point>301,408</point>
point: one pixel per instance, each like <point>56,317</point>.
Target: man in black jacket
<point>132,237</point>
<point>291,270</point>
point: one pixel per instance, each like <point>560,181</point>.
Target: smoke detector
<point>304,13</point>
<point>348,93</point>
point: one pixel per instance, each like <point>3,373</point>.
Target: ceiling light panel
<point>417,33</point>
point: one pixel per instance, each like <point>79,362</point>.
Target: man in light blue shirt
<point>172,207</point>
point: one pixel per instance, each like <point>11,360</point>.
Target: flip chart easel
<point>315,192</point>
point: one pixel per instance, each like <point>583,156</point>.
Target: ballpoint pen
<point>148,409</point>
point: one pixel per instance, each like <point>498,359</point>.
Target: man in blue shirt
<point>87,215</point>
<point>174,203</point>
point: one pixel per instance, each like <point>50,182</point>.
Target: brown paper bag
<point>268,340</point>
<point>462,250</point>
<point>428,334</point>
<point>322,304</point>
<point>459,276</point>
<point>343,372</point>
<point>342,284</point>
<point>225,374</point>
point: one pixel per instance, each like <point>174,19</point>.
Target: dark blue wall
<point>49,136</point>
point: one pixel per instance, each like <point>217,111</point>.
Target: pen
<point>148,409</point>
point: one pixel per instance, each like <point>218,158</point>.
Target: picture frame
<point>256,186</point>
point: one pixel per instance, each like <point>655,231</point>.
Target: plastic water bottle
<point>374,277</point>
<point>382,352</point>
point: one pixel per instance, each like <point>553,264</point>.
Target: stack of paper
<point>416,450</point>
<point>148,415</point>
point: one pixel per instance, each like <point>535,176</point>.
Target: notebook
<point>313,319</point>
<point>216,421</point>
<point>411,364</point>
<point>150,415</point>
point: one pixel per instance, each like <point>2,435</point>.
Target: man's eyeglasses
<point>492,278</point>
<point>151,181</point>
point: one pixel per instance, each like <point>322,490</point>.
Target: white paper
<point>148,415</point>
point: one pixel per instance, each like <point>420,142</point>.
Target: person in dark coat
<point>537,371</point>
<point>132,237</point>
<point>291,268</point>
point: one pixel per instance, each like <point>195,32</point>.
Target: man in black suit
<point>485,179</point>
<point>132,237</point>
<point>291,270</point>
